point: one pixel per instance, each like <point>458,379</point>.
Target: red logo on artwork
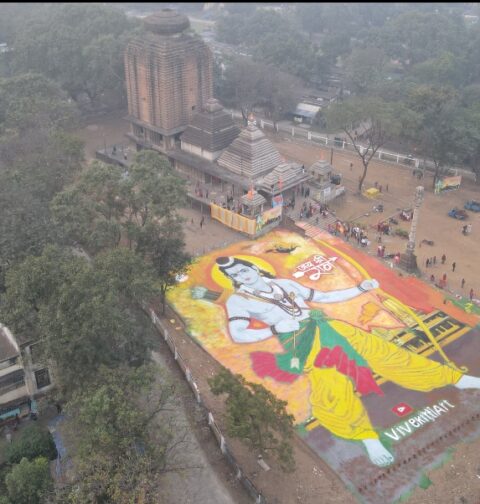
<point>402,409</point>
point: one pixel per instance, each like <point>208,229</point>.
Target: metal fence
<point>183,365</point>
<point>340,144</point>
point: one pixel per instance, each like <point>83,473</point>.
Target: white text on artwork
<point>316,266</point>
<point>425,416</point>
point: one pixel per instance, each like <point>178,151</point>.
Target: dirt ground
<point>458,480</point>
<point>434,223</point>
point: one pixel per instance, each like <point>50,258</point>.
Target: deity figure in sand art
<point>337,357</point>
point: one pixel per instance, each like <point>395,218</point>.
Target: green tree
<point>37,158</point>
<point>256,416</point>
<point>445,69</point>
<point>107,204</point>
<point>85,313</point>
<point>123,435</point>
<point>248,84</point>
<point>80,46</point>
<point>413,36</point>
<point>164,247</point>
<point>364,69</point>
<point>33,442</point>
<point>31,100</point>
<point>290,52</point>
<point>435,131</point>
<point>29,481</point>
<point>379,122</point>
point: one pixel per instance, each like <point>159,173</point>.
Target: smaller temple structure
<point>252,204</point>
<point>323,188</point>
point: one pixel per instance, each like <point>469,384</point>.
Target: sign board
<point>448,184</point>
<point>268,217</point>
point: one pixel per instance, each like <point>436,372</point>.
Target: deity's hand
<point>369,284</point>
<point>287,325</point>
<point>198,292</point>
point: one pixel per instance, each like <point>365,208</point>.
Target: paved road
<point>201,485</point>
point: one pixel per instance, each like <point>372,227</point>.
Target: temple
<point>169,74</point>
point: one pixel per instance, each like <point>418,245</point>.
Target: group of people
<point>304,191</point>
<point>442,281</point>
<point>383,227</point>
<point>307,211</point>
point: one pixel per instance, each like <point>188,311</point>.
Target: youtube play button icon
<point>402,409</point>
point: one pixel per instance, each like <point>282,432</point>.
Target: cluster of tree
<point>80,47</point>
<point>255,416</point>
<point>272,39</point>
<point>85,308</point>
<point>26,478</point>
<point>441,123</point>
<point>37,158</point>
<point>247,85</point>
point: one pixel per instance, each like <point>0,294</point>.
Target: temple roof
<point>251,154</point>
<point>253,199</point>
<point>166,22</point>
<point>212,129</point>
<point>321,167</point>
<point>286,173</point>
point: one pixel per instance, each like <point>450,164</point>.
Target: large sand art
<point>374,367</point>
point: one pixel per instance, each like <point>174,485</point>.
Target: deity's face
<point>242,274</point>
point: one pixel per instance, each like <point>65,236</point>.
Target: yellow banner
<point>234,220</point>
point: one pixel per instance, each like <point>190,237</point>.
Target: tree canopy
<point>256,416</point>
<point>85,313</point>
<point>79,46</point>
<point>123,435</point>
<point>29,482</point>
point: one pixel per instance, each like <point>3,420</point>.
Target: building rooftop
<point>250,155</point>
<point>8,346</point>
<point>211,129</point>
<point>166,22</point>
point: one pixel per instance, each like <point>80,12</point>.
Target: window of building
<point>42,377</point>
<point>12,381</point>
<point>193,107</point>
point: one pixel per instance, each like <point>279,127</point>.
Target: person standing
<point>434,260</point>
<point>463,283</point>
<point>427,263</point>
<point>432,278</point>
<point>444,258</point>
<point>471,294</point>
<point>454,265</point>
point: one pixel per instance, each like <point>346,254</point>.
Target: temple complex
<point>169,74</point>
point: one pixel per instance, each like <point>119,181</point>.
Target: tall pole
<point>408,260</point>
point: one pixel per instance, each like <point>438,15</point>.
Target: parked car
<point>458,213</point>
<point>474,206</point>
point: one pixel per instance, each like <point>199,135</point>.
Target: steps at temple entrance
<point>312,229</point>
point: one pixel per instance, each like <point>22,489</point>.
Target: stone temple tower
<point>169,74</point>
